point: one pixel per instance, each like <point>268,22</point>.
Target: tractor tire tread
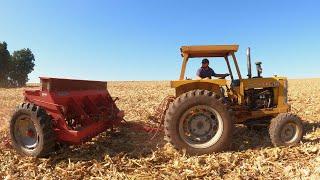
<point>44,122</point>
<point>170,125</point>
<point>276,125</point>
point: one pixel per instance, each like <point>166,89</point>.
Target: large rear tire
<point>199,122</point>
<point>286,130</point>
<point>31,131</point>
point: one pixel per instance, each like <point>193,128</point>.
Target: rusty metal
<point>161,110</point>
<point>157,120</point>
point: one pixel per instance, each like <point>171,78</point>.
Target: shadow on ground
<point>253,138</point>
<point>310,127</point>
<point>133,141</point>
<point>245,139</point>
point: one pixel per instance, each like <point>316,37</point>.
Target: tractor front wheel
<point>286,130</point>
<point>199,122</point>
<point>31,131</point>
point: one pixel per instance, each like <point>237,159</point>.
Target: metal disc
<point>289,132</point>
<point>200,126</point>
<point>25,132</point>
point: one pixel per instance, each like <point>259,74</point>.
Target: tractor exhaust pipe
<point>249,63</point>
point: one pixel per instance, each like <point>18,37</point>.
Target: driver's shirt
<point>205,72</point>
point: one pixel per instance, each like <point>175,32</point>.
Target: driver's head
<point>205,63</point>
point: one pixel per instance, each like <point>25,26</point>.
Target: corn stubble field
<point>130,153</point>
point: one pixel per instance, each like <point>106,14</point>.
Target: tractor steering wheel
<point>225,76</point>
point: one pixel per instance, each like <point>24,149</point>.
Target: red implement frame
<point>79,109</point>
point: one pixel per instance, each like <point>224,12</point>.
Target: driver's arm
<point>198,74</point>
<point>219,75</point>
<point>198,77</point>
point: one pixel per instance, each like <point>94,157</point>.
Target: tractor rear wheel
<point>199,122</point>
<point>286,130</point>
<point>31,131</point>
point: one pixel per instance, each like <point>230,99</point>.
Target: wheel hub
<point>25,132</point>
<point>289,132</point>
<point>30,133</point>
<point>200,126</point>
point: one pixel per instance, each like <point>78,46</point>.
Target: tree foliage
<point>14,69</point>
<point>21,64</point>
<point>4,64</point>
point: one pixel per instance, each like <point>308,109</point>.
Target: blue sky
<point>140,40</point>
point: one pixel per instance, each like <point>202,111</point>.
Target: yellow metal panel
<point>236,65</point>
<point>183,67</point>
<point>209,50</point>
<point>260,83</point>
<point>282,95</point>
<point>263,113</point>
<point>177,83</point>
<point>277,83</point>
<point>241,93</point>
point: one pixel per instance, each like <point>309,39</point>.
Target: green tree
<point>21,64</point>
<point>4,64</point>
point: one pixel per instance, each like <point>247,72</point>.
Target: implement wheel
<point>31,131</point>
<point>286,130</point>
<point>199,122</point>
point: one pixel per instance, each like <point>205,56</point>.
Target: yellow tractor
<point>201,116</point>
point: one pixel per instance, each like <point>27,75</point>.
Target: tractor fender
<point>197,85</point>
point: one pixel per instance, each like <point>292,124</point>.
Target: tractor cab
<point>211,51</point>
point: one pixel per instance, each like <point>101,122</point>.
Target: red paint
<point>86,105</point>
<point>30,133</point>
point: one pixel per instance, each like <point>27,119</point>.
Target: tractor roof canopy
<point>208,51</point>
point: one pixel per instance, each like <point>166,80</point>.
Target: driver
<point>205,72</point>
